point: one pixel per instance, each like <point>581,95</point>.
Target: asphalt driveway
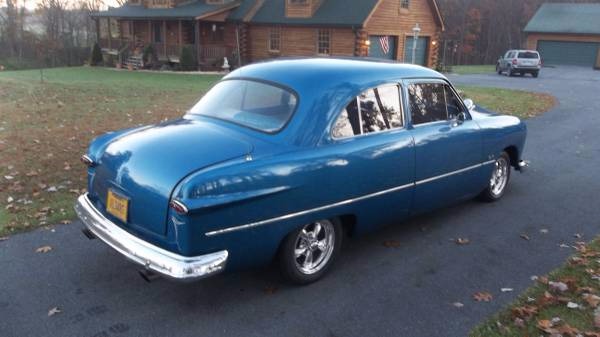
<point>374,290</point>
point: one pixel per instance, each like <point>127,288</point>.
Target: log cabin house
<point>247,31</point>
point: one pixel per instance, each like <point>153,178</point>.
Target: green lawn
<point>532,314</point>
<point>522,104</point>
<point>47,125</point>
<point>474,69</point>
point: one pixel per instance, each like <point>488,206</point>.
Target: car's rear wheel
<point>308,253</point>
<point>535,74</point>
<point>499,179</point>
<point>498,69</point>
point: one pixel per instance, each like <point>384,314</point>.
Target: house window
<point>298,2</point>
<point>275,39</point>
<point>323,41</point>
<point>157,29</point>
<point>404,4</point>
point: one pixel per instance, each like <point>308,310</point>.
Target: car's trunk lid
<point>145,166</point>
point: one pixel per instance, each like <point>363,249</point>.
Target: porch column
<point>109,33</point>
<point>179,37</point>
<point>164,33</point>
<point>150,32</point>
<point>197,39</point>
<point>98,31</point>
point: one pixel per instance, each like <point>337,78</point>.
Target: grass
<point>474,69</point>
<point>46,126</point>
<point>533,312</point>
<point>522,104</point>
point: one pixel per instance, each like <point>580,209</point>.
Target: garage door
<point>382,47</point>
<point>569,53</point>
<point>421,51</point>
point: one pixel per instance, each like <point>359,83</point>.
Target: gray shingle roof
<point>185,11</point>
<point>331,12</point>
<point>566,18</point>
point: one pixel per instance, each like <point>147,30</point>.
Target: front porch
<point>209,41</point>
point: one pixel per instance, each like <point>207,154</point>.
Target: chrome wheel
<point>314,246</point>
<point>499,177</point>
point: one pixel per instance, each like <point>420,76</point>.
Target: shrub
<point>149,55</point>
<point>109,61</point>
<point>187,60</point>
<point>96,57</point>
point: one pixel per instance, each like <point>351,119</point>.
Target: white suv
<point>520,62</point>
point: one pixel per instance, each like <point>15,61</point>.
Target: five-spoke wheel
<point>499,179</point>
<point>308,252</point>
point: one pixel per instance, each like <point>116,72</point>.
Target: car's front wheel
<point>308,253</point>
<point>499,179</point>
<point>498,69</point>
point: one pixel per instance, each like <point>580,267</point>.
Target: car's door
<point>448,144</point>
<point>503,61</point>
<point>377,152</point>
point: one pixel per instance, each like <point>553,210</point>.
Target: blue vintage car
<point>282,159</point>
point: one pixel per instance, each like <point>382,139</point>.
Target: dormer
<point>301,8</point>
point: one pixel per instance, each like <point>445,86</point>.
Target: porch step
<point>136,61</point>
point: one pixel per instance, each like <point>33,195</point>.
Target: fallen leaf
<point>592,300</point>
<point>597,318</point>
<point>506,290</point>
<point>525,237</point>
<point>546,326</point>
<point>43,249</point>
<point>482,296</point>
<point>65,222</point>
<point>525,312</point>
<point>567,330</point>
<point>462,241</point>
<point>458,304</point>
<point>518,322</point>
<point>562,245</point>
<point>391,243</point>
<point>577,236</point>
<point>572,305</point>
<point>54,311</point>
<point>544,231</point>
<point>3,238</point>
<point>558,286</point>
<point>270,290</point>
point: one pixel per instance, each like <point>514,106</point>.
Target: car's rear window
<point>528,55</point>
<point>253,104</point>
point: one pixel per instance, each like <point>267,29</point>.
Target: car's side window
<point>380,110</point>
<point>432,102</point>
<point>427,102</point>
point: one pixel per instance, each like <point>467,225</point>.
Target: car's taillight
<point>514,61</point>
<point>89,162</point>
<point>178,206</point>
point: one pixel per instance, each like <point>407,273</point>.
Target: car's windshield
<point>253,104</point>
<point>528,55</point>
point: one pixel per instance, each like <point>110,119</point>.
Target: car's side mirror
<point>469,104</point>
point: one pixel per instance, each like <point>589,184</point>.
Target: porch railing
<point>213,52</point>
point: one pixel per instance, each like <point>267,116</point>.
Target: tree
<point>96,57</point>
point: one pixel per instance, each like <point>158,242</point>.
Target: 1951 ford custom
<point>283,158</point>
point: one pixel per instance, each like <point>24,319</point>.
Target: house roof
<point>566,18</point>
<point>330,12</point>
<point>188,10</point>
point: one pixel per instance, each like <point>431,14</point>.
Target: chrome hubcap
<point>314,246</point>
<point>499,176</point>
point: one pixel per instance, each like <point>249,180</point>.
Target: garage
<point>382,47</point>
<point>568,52</point>
<point>566,34</point>
<point>421,50</point>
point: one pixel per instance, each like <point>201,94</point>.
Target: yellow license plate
<point>117,205</point>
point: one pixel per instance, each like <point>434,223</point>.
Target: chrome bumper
<point>523,165</point>
<point>150,256</point>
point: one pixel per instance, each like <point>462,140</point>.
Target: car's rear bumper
<point>150,256</point>
<point>528,68</point>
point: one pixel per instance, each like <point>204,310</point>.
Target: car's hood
<point>146,165</point>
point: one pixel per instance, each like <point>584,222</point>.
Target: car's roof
<point>324,73</point>
<point>524,50</point>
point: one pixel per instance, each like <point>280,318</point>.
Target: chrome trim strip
<point>424,181</point>
<point>344,202</point>
<point>297,214</point>
<point>143,253</point>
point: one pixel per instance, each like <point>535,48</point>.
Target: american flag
<point>385,44</point>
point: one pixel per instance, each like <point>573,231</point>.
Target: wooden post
<point>164,33</point>
<point>109,33</point>
<point>179,37</point>
<point>98,36</point>
<point>197,40</point>
<point>150,33</point>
